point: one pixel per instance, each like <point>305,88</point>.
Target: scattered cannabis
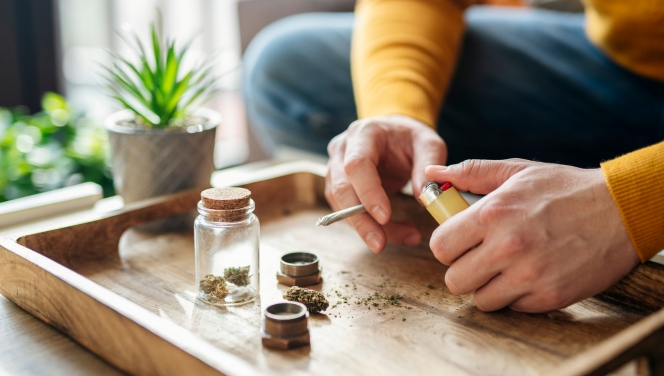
<point>374,300</point>
<point>314,300</point>
<point>430,286</point>
<point>238,276</point>
<point>214,286</point>
<point>392,299</point>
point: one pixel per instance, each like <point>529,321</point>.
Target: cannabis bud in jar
<point>313,300</point>
<point>227,240</point>
<point>238,276</point>
<point>214,286</point>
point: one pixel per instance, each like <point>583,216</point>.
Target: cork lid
<point>228,198</point>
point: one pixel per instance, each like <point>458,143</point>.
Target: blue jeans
<point>529,84</point>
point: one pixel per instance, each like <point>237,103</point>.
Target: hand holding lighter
<point>441,202</point>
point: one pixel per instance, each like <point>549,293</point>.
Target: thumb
<point>431,151</point>
<point>478,176</point>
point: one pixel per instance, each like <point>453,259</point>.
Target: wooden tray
<point>129,297</point>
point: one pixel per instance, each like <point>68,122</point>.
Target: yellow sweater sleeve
<point>403,55</point>
<point>636,182</point>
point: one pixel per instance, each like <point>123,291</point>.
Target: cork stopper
<point>229,198</point>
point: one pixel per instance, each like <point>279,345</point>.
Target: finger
<point>472,270</point>
<point>370,231</point>
<point>340,194</point>
<point>543,302</point>
<point>402,233</point>
<point>457,235</point>
<point>498,293</point>
<point>336,149</point>
<point>479,176</point>
<point>428,149</point>
<point>360,165</point>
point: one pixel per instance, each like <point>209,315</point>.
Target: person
<point>579,97</point>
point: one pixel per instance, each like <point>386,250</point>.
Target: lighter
<point>442,202</point>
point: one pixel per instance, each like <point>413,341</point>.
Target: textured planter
<point>154,162</point>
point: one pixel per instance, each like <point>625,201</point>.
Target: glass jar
<point>227,241</point>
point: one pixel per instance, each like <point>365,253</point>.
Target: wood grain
<point>73,244</point>
<point>30,347</point>
<point>107,324</point>
<point>137,307</point>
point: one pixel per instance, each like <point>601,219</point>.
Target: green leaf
<point>201,76</point>
<point>171,71</point>
<point>117,77</point>
<point>205,92</point>
<point>138,48</point>
<point>152,118</point>
<point>156,49</point>
<point>146,75</point>
<point>129,65</point>
<point>141,48</point>
<point>179,89</point>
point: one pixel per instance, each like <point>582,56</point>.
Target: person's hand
<point>547,235</point>
<point>375,158</point>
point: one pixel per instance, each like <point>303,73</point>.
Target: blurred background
<point>51,141</point>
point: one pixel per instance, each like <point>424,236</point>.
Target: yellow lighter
<point>442,202</point>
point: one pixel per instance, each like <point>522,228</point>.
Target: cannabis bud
<point>215,286</point>
<point>313,300</point>
<point>238,276</point>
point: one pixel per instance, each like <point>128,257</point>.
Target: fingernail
<point>436,168</point>
<point>413,240</point>
<point>374,241</point>
<point>379,214</point>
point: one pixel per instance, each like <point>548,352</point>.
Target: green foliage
<point>155,86</point>
<point>49,150</point>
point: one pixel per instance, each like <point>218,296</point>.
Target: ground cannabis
<point>374,300</point>
<point>313,300</point>
<point>214,286</point>
<point>238,276</point>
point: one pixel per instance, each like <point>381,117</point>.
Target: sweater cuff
<point>636,183</point>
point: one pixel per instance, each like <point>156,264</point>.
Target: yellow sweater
<point>404,52</point>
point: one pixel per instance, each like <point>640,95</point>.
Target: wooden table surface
<point>30,347</point>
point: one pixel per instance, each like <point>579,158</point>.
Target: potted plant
<point>162,141</point>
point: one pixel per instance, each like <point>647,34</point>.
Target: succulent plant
<point>155,87</point>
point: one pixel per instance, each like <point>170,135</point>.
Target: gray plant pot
<point>154,162</point>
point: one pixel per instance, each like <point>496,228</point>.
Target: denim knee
<point>274,50</point>
<point>289,69</point>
